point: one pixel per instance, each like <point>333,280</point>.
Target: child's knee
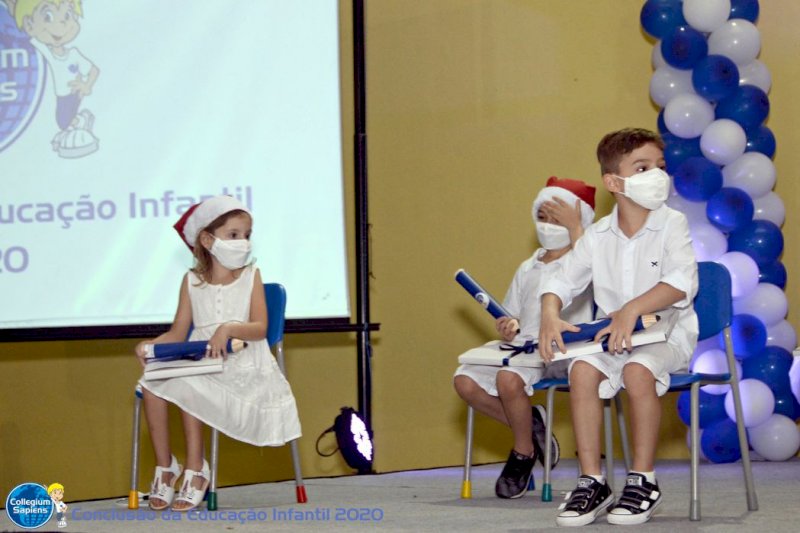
<point>464,386</point>
<point>509,382</point>
<point>638,379</point>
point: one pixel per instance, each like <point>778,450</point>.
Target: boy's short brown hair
<point>617,144</point>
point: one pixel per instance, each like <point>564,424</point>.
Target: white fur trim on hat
<point>205,213</point>
<point>548,193</point>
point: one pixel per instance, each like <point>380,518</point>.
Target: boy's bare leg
<point>479,399</point>
<point>517,406</point>
<point>645,416</point>
<point>587,414</point>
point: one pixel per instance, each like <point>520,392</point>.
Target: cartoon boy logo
<point>52,25</point>
<point>56,492</point>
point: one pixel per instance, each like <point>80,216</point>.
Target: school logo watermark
<point>22,79</point>
<point>29,506</point>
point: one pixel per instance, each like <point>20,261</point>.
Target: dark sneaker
<point>638,501</point>
<point>513,480</point>
<point>539,434</point>
<point>585,502</point>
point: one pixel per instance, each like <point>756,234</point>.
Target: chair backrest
<point>275,294</point>
<point>713,303</point>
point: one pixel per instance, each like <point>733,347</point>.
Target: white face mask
<point>649,189</point>
<point>231,254</point>
<point>552,236</point>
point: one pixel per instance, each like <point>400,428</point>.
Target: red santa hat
<point>199,216</point>
<point>568,190</point>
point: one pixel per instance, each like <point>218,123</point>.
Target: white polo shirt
<point>622,269</point>
<point>522,299</point>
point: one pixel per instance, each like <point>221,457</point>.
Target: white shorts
<point>486,376</point>
<point>661,359</point>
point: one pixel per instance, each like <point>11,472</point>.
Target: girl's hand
<point>507,327</point>
<point>562,213</point>
<point>141,351</point>
<point>218,341</point>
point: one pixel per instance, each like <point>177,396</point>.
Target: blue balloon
<point>729,208</point>
<point>712,408</point>
<point>715,77</point>
<point>744,9</point>
<point>786,404</point>
<point>761,139</point>
<point>659,17</point>
<point>774,273</point>
<point>662,126</point>
<point>677,150</point>
<point>720,442</point>
<point>770,366</point>
<point>748,105</point>
<point>684,47</point>
<point>697,179</point>
<point>749,336</point>
<point>760,239</point>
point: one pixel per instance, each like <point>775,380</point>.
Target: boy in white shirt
<point>560,211</point>
<point>639,260</point>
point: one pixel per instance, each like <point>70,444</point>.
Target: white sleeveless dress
<point>249,400</point>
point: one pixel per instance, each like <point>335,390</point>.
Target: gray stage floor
<point>429,500</point>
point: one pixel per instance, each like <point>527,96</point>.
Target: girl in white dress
<point>221,298</point>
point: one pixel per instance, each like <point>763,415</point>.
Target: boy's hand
<point>507,327</point>
<point>550,336</point>
<point>562,213</point>
<point>619,330</point>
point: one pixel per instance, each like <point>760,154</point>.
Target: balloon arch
<point>712,92</point>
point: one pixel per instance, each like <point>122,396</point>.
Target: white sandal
<point>191,494</point>
<point>164,491</point>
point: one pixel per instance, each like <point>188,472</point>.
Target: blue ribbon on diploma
<point>481,295</point>
<point>194,350</point>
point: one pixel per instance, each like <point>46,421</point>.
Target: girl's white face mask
<point>231,254</point>
<point>552,236</point>
<point>649,189</point>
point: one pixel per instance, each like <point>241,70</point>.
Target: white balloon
<point>769,207</point>
<point>756,73</point>
<point>744,273</point>
<point>723,141</point>
<point>753,172</point>
<point>668,82</point>
<point>782,334</point>
<point>767,303</point>
<point>708,242</point>
<point>656,57</point>
<point>688,115</point>
<point>738,39</point>
<point>695,212</point>
<point>776,439</point>
<point>758,402</point>
<point>794,377</point>
<point>706,15</point>
<point>714,362</point>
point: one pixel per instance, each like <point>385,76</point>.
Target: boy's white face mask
<point>649,189</point>
<point>231,254</point>
<point>552,236</point>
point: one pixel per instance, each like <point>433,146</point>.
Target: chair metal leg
<point>466,484</point>
<point>694,429</point>
<point>609,438</point>
<point>300,487</point>
<point>623,432</point>
<point>752,500</point>
<point>547,488</point>
<point>212,485</point>
<point>133,494</point>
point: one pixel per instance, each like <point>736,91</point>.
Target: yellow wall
<point>471,106</point>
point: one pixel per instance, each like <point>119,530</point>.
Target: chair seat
<point>552,382</point>
<point>684,380</point>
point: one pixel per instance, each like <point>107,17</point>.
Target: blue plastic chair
<point>275,295</point>
<point>714,307</point>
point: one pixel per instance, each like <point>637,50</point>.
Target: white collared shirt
<point>522,299</point>
<point>622,269</point>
